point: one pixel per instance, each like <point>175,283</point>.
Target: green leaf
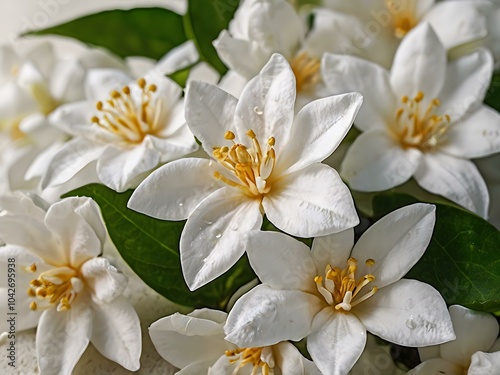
<point>203,22</point>
<point>151,249</point>
<point>462,259</point>
<point>493,95</point>
<point>181,76</point>
<point>149,32</point>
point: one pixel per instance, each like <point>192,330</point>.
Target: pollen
<point>342,289</point>
<point>404,16</point>
<point>258,358</point>
<point>419,127</point>
<point>56,287</point>
<point>130,117</point>
<point>306,69</point>
<point>251,167</point>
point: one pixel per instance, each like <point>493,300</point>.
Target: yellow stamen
<point>403,15</point>
<point>249,356</point>
<point>306,69</point>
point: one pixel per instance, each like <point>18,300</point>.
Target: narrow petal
<point>375,162</point>
<point>173,191</point>
<point>77,223</point>
<point>281,261</point>
<point>317,131</point>
<point>311,202</point>
<point>333,249</point>
<point>336,342</point>
<point>396,242</point>
<point>408,313</point>
<point>62,337</point>
<point>210,242</point>
<point>484,363</point>
<point>343,73</point>
<point>474,136</point>
<point>267,103</point>
<point>455,179</point>
<point>475,331</point>
<point>419,64</point>
<point>116,333</point>
<point>106,282</point>
<point>265,316</point>
<point>437,366</point>
<point>209,113</point>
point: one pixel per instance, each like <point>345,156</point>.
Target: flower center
<point>340,287</point>
<point>413,129</point>
<point>131,119</point>
<point>256,357</point>
<point>251,166</point>
<point>56,286</point>
<point>306,70</point>
<point>403,16</point>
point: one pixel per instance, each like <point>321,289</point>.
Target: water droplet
<point>218,235</point>
<point>208,222</point>
<point>257,110</point>
<point>410,323</point>
<point>234,227</point>
<point>181,204</point>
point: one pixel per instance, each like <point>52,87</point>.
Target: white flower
<point>266,160</point>
<point>195,344</point>
<point>424,119</point>
<point>63,286</point>
<point>333,294</point>
<point>476,350</point>
<point>128,128</point>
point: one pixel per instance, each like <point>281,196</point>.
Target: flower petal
<point>281,261</point>
<point>436,366</point>
<point>375,162</point>
<point>311,202</point>
<point>106,282</point>
<point>116,333</point>
<point>396,242</point>
<point>174,190</point>
<point>455,179</point>
<point>317,131</point>
<point>291,362</point>
<point>419,64</point>
<point>267,103</point>
<point>336,342</point>
<point>333,249</point>
<point>100,82</point>
<point>475,331</point>
<point>343,73</point>
<point>62,337</point>
<point>484,363</point>
<point>408,313</point>
<point>265,316</point>
<point>210,242</point>
<point>474,136</point>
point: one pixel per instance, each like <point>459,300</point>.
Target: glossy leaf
<point>149,32</point>
<point>151,248</point>
<point>463,258</point>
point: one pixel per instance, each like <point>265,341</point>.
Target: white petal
<point>16,102</point>
<point>396,242</point>
<point>73,118</point>
<point>265,316</point>
<point>474,136</point>
<point>210,242</point>
<point>281,261</point>
<point>173,191</point>
<point>467,80</point>
<point>428,352</point>
<point>475,331</point>
<point>100,82</point>
<point>317,131</point>
<point>311,202</point>
<point>8,61</point>
<point>437,366</point>
<point>184,339</point>
<point>175,146</point>
<point>289,360</point>
<point>343,73</point>
<point>67,85</point>
<point>23,204</point>
<point>419,64</point>
<point>209,113</point>
<point>375,162</point>
<point>267,103</point>
<point>106,282</point>
<point>407,312</point>
<point>78,224</point>
<point>116,333</point>
<point>62,337</point>
<point>69,160</point>
<point>484,364</point>
<point>178,58</point>
<point>124,169</point>
<point>336,342</point>
<point>43,55</point>
<point>455,179</point>
<point>26,318</point>
<point>333,249</point>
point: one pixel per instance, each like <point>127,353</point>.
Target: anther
<point>271,141</point>
<point>418,98</point>
<point>141,82</point>
<point>31,268</point>
<point>126,90</point>
<point>33,305</point>
<point>99,106</point>
<point>251,134</point>
<point>115,94</point>
<point>152,88</point>
<point>370,262</point>
<point>229,135</point>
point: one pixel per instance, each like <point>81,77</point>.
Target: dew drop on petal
<point>234,227</point>
<point>181,204</point>
<point>218,235</point>
<point>208,222</point>
<point>410,323</point>
<point>257,110</point>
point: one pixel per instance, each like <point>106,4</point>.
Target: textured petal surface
<point>437,366</point>
<point>103,279</point>
<point>484,364</point>
<point>333,249</point>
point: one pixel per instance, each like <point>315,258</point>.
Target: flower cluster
<point>245,160</point>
